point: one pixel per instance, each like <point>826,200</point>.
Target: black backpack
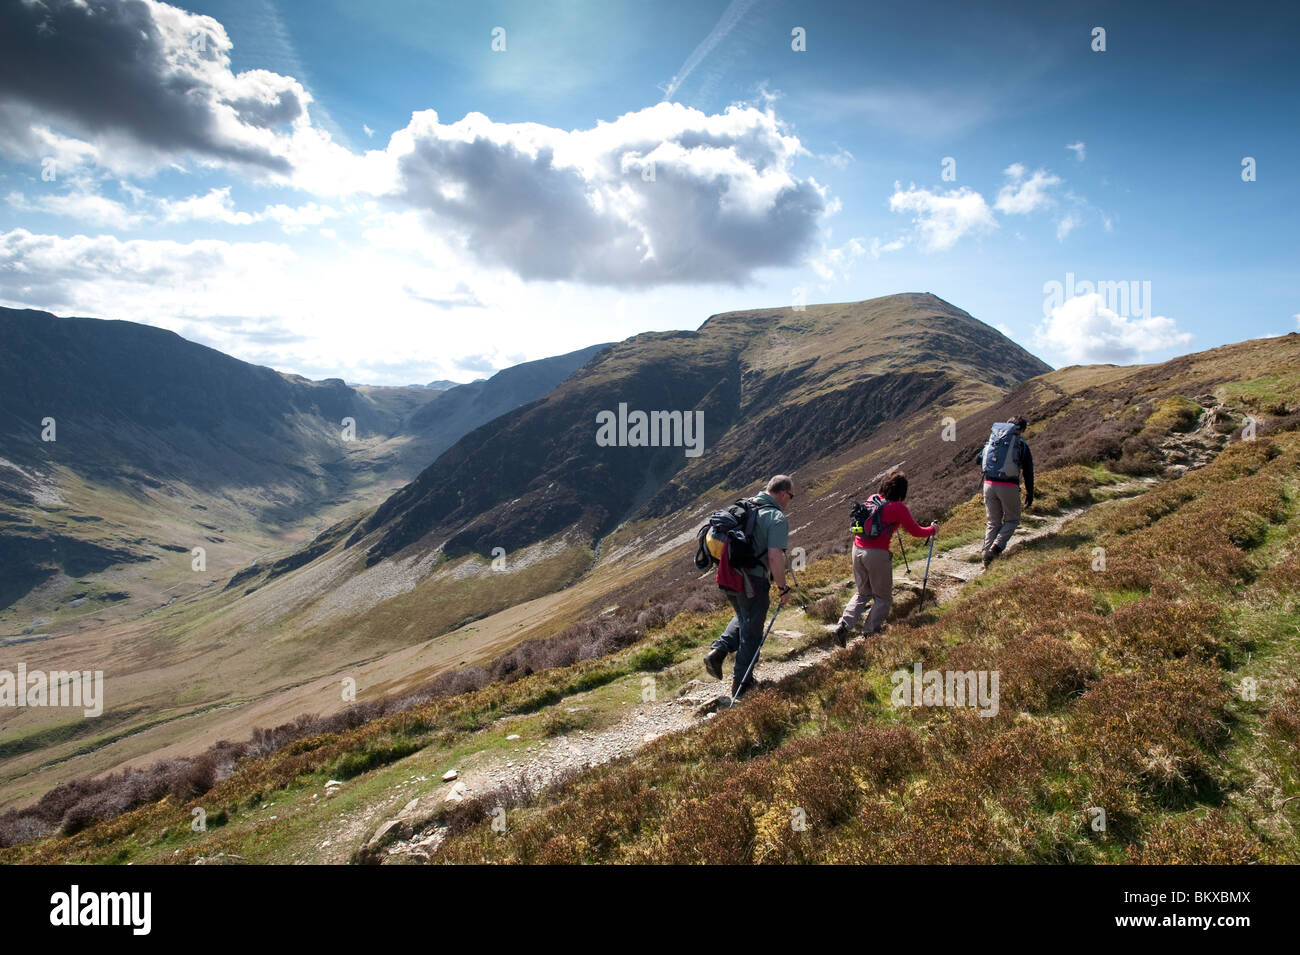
<point>866,517</point>
<point>733,528</point>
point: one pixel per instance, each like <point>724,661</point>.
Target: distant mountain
<point>777,388</point>
<point>443,384</point>
<point>146,423</point>
<point>454,412</point>
<point>835,394</point>
<point>1139,443</point>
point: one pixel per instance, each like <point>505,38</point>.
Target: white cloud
<point>840,159</point>
<point>1082,330</point>
<point>943,218</point>
<point>1296,316</point>
<point>1066,225</point>
<point>84,206</point>
<point>268,303</point>
<point>837,262</point>
<point>296,218</point>
<point>878,247</point>
<point>1023,195</point>
<point>217,206</point>
<point>1079,149</point>
<point>663,195</point>
<point>367,130</point>
<point>175,93</point>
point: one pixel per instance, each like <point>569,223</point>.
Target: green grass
<point>1270,394</point>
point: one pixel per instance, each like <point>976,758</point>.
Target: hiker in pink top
<point>873,564</point>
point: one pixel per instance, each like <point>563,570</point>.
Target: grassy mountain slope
<point>417,593</point>
<point>287,644</point>
<point>772,384</point>
<point>1121,689</point>
<point>163,445</point>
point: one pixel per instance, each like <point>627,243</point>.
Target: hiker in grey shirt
<point>745,632</point>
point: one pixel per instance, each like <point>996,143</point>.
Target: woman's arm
<point>896,512</point>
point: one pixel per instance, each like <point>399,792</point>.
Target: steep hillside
<point>457,410</point>
<point>417,588</point>
<point>1157,687</point>
<point>417,617</point>
<point>161,445</point>
<point>777,388</point>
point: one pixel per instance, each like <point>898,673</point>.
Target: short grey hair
<point>782,482</point>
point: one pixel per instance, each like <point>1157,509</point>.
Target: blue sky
<point>268,178</point>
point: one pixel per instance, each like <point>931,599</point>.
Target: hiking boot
<point>990,554</point>
<point>713,662</point>
<point>840,634</point>
<point>746,688</point>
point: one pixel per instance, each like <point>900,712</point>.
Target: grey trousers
<point>744,635</point>
<point>1002,506</point>
<point>873,573</point>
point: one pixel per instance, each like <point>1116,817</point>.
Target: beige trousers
<point>1002,507</point>
<point>873,573</point>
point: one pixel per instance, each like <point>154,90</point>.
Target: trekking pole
<point>927,570</point>
<point>735,694</point>
<point>899,534</point>
<point>800,596</point>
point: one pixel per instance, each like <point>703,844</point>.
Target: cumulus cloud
<point>328,311</point>
<point>217,206</point>
<point>137,82</point>
<point>72,273</point>
<point>1079,149</point>
<point>1082,330</point>
<point>664,195</point>
<point>80,204</point>
<point>941,218</point>
<point>1024,194</point>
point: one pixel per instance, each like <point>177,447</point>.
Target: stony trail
<point>412,833</point>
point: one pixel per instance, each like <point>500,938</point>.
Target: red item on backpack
<point>728,578</point>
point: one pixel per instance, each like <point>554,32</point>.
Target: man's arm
<point>776,564</point>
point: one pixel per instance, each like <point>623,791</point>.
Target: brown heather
<point>1115,695</point>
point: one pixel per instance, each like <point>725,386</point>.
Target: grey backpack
<point>1001,456</point>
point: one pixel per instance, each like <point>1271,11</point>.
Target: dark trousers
<point>745,632</point>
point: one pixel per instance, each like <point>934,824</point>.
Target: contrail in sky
<point>734,13</point>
